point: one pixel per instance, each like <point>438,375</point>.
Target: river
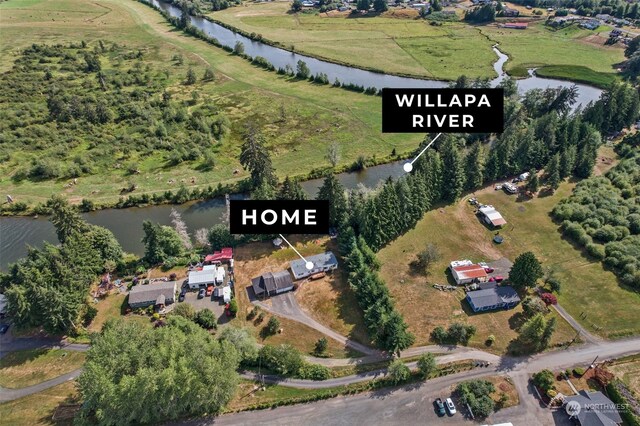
<point>16,233</point>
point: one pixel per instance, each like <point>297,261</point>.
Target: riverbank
<point>408,44</point>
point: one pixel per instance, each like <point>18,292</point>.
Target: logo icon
<point>573,408</point>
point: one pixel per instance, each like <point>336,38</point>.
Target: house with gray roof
<point>272,283</point>
<point>489,299</point>
<point>155,294</point>
<point>592,409</point>
<point>323,262</point>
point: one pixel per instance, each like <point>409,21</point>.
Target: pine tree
<point>291,190</point>
<point>474,167</point>
<point>533,183</point>
<point>568,161</point>
<point>452,172</point>
<point>333,191</point>
<point>526,271</point>
<point>255,158</point>
<point>552,171</point>
<point>380,6</point>
<point>191,77</point>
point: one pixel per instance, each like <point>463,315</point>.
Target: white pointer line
<point>409,166</point>
<point>307,264</point>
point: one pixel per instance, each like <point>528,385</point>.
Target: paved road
<point>285,305</point>
<point>412,404</point>
<point>11,394</point>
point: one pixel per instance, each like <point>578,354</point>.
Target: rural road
<point>413,404</point>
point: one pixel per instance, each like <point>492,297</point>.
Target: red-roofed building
<point>468,274</point>
<point>224,255</point>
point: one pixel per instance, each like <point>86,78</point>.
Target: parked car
<point>183,293</point>
<point>217,292</point>
<point>4,328</point>
<point>498,278</point>
<point>209,290</point>
<point>227,309</point>
<point>440,407</point>
<point>451,407</point>
<point>488,269</point>
<point>201,293</point>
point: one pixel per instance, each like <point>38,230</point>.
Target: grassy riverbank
<point>398,42</point>
<point>315,115</point>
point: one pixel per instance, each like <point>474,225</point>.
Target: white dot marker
<point>309,265</point>
<point>407,167</point>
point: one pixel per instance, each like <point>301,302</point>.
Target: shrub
<point>184,310</point>
<point>578,372</point>
<point>544,380</point>
<point>321,346</point>
<point>314,372</point>
<point>233,307</point>
<point>205,319</point>
<point>596,251</point>
<point>272,326</point>
<point>282,359</point>
<point>549,299</point>
<point>398,371</point>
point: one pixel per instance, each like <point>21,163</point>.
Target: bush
<point>314,372</point>
<point>596,251</point>
<point>233,307</point>
<point>272,326</point>
<point>282,359</point>
<point>578,372</point>
<point>205,319</point>
<point>184,310</point>
<point>398,371</point>
<point>476,393</point>
<point>549,299</point>
<point>544,380</point>
<point>321,346</point>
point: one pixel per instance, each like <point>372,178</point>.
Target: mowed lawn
<point>587,287</point>
<point>329,301</point>
<point>395,42</point>
<point>30,367</point>
<point>39,408</point>
<point>572,52</point>
<point>314,116</point>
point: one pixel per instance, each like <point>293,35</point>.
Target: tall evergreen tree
<point>333,191</point>
<point>474,167</point>
<point>255,158</point>
<point>453,174</point>
<point>291,190</point>
<point>552,171</point>
<point>526,271</point>
<point>65,218</point>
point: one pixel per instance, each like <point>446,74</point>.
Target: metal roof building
<point>499,297</point>
<point>272,283</point>
<point>323,262</point>
<point>158,293</point>
<point>202,278</point>
<point>595,409</point>
<point>491,216</point>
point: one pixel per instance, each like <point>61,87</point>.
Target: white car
<point>450,406</point>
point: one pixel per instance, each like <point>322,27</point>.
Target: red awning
<point>219,256</point>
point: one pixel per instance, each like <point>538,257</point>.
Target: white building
<point>202,278</point>
<point>491,216</point>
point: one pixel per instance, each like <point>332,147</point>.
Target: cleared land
<point>587,287</point>
<point>39,408</point>
<point>570,53</point>
<point>315,115</point>
<point>628,370</point>
<point>30,367</point>
<point>399,42</point>
<point>328,300</point>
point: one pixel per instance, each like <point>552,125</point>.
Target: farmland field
<point>399,42</point>
<point>298,119</point>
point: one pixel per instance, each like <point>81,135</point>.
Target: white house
<point>202,278</point>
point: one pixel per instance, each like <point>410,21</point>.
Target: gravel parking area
<point>500,267</point>
<point>207,302</point>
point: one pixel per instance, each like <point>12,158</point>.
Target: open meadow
<point>399,42</point>
<point>298,119</point>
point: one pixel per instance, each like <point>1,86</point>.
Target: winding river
<point>16,233</point>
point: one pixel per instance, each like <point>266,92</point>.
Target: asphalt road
<point>410,405</point>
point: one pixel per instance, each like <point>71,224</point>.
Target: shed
<point>158,293</point>
<point>499,297</point>
<point>201,278</point>
<point>469,273</point>
<point>226,294</point>
<point>491,216</point>
<point>272,283</point>
<point>323,262</point>
<point>224,255</point>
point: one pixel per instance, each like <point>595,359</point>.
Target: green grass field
<point>587,287</point>
<point>39,408</point>
<point>316,115</point>
<point>400,43</point>
<point>571,53</point>
<point>30,367</point>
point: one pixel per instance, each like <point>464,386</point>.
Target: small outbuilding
<point>156,294</point>
<point>202,278</point>
<point>490,299</point>
<point>467,274</point>
<point>491,216</point>
<point>323,262</point>
<point>272,283</point>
